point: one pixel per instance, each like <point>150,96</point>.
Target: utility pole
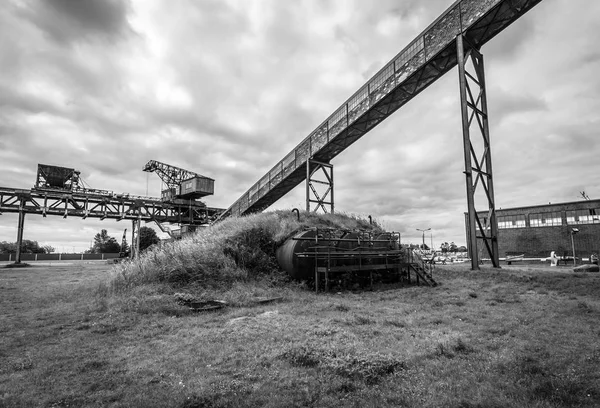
<point>423,230</point>
<point>573,232</point>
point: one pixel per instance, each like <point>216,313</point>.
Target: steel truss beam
<point>67,204</point>
<point>312,193</point>
<point>83,205</point>
<point>426,59</point>
<point>474,113</point>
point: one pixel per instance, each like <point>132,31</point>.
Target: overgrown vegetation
<point>517,337</point>
<point>237,249</point>
<point>85,336</point>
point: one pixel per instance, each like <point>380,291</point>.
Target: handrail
<point>461,15</point>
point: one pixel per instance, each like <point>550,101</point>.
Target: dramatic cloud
<point>226,88</point>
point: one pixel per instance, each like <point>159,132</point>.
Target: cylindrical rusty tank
<point>301,268</point>
<point>385,241</point>
<point>349,249</point>
<point>353,241</point>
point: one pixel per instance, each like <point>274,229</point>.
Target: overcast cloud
<point>227,88</point>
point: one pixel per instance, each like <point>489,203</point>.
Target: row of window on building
<point>550,219</point>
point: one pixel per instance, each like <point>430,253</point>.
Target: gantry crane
<point>183,187</point>
<point>181,183</point>
<point>60,191</point>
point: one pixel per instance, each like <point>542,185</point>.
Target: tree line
<point>27,247</point>
<point>102,243</point>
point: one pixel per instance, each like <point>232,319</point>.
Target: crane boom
<point>181,183</point>
<point>172,176</point>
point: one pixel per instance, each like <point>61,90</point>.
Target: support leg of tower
<point>478,164</point>
<point>137,238</point>
<point>132,247</point>
<point>20,236</point>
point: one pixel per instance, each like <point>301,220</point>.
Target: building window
<point>548,219</point>
<point>589,216</point>
<point>511,221</point>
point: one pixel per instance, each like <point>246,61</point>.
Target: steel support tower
<point>317,196</point>
<point>423,61</point>
<point>474,112</point>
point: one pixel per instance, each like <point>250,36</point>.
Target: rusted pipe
<point>297,211</point>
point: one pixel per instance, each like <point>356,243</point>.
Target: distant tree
<point>445,247</point>
<point>461,248</point>
<point>32,247</point>
<point>453,247</point>
<point>27,247</point>
<point>103,243</point>
<point>48,249</point>
<point>7,247</point>
<point>148,238</point>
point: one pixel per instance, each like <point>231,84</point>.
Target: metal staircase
<point>422,269</point>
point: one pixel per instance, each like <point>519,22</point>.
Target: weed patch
<point>451,350</point>
<point>395,323</point>
<point>369,368</point>
<point>342,308</point>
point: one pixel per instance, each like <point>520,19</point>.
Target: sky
<point>226,88</point>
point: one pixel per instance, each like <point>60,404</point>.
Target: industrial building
<point>536,231</point>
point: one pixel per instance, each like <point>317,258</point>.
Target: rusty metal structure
<point>181,183</point>
<point>59,192</point>
<point>325,255</point>
<point>454,39</point>
<point>317,198</point>
<point>455,36</point>
<point>54,177</point>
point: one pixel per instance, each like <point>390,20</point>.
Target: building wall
<point>537,230</point>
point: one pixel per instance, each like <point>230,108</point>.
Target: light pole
<point>423,231</point>
<point>573,232</point>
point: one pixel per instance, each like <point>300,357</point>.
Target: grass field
<point>517,337</point>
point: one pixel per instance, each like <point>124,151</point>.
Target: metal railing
<point>457,18</point>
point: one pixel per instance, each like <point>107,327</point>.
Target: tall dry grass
<point>236,249</point>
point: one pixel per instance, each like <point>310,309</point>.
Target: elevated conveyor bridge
<point>450,40</point>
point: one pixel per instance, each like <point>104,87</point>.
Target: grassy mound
<point>237,249</point>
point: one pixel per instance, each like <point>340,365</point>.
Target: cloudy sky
<point>227,88</point>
